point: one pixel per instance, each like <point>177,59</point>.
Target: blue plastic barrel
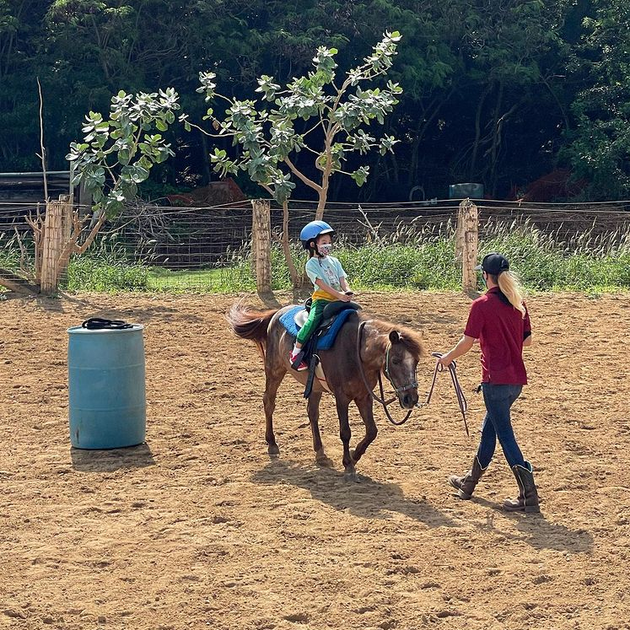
<point>106,387</point>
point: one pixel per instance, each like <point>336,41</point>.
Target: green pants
<point>313,321</point>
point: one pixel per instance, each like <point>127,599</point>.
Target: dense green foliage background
<point>496,91</point>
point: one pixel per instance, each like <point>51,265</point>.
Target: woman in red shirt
<point>500,321</point>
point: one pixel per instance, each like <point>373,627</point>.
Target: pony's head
<point>403,351</point>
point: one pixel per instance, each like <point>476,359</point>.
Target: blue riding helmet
<point>312,230</point>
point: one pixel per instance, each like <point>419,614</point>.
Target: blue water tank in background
<point>106,382</point>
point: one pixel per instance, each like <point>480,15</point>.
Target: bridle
<point>404,388</point>
<point>381,400</point>
<point>463,405</point>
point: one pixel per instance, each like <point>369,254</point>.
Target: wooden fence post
<point>459,233</point>
<point>56,232</point>
<point>467,243</point>
<point>261,243</point>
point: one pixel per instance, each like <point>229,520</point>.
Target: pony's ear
<point>394,336</point>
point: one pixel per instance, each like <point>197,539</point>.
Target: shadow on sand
<point>112,459</point>
<point>366,499</point>
<point>537,531</point>
<point>92,306</point>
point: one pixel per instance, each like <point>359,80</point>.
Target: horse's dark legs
<point>273,381</point>
<point>365,409</point>
<point>345,434</point>
<point>313,416</point>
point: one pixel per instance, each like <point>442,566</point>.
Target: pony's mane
<point>409,338</point>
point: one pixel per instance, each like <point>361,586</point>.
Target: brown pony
<point>383,347</point>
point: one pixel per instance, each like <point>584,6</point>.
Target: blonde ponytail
<point>510,287</point>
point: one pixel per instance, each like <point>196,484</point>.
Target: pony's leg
<point>313,415</point>
<point>345,434</point>
<point>273,381</point>
<point>365,409</point>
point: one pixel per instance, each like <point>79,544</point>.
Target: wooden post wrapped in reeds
<point>261,243</point>
<point>57,225</point>
<point>467,243</point>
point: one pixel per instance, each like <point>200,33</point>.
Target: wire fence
<point>207,248</point>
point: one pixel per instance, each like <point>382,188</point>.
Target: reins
<point>452,368</point>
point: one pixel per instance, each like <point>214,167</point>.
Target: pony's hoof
<point>273,450</point>
<point>321,459</point>
<point>351,476</point>
<point>324,461</point>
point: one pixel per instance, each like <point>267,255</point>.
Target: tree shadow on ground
<point>93,307</point>
<point>536,530</point>
<point>112,459</point>
<point>366,499</point>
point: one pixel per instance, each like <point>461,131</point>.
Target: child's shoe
<point>293,358</point>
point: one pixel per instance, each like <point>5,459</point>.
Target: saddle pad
<point>287,320</point>
<point>324,343</point>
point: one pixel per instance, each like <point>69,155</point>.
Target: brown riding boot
<point>527,500</point>
<point>466,484</point>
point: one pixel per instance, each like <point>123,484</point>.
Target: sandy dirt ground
<point>200,528</point>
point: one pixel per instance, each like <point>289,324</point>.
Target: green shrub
<point>411,258</point>
<point>93,274</point>
<point>106,268</point>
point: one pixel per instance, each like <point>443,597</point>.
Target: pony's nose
<point>408,400</point>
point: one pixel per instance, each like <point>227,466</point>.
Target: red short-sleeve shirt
<point>501,330</point>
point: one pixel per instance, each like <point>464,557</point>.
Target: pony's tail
<point>248,323</point>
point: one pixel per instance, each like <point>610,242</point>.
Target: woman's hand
<point>462,347</point>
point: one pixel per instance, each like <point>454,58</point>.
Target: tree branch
<point>302,177</point>
<point>90,237</point>
<point>41,138</point>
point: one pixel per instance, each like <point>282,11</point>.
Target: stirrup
<point>293,359</point>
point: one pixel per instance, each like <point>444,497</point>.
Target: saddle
<point>331,311</point>
<point>334,316</point>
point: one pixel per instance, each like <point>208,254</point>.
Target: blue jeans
<point>497,424</point>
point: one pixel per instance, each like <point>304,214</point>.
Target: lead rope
<point>452,368</point>
<point>461,399</point>
<point>99,323</point>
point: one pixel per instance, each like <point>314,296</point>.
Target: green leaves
<point>208,84</point>
<point>360,175</point>
<point>222,164</point>
<point>117,154</point>
<point>282,186</point>
<point>325,65</point>
<point>387,144</point>
<point>599,147</point>
<point>361,142</point>
<point>381,58</point>
<point>266,131</point>
<point>267,87</point>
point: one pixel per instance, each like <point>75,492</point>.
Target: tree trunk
<point>475,150</point>
<point>56,237</point>
<point>296,279</point>
<point>321,203</point>
<point>496,137</point>
<point>206,162</point>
